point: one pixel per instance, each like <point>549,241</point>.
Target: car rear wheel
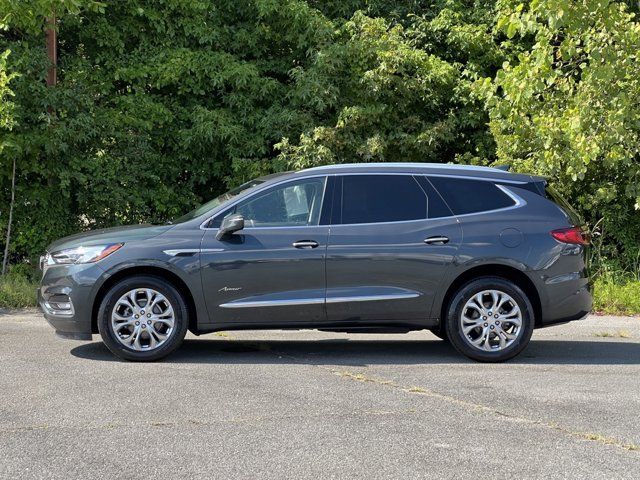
<point>490,319</point>
<point>142,318</point>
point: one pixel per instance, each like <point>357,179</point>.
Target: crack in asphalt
<point>472,406</point>
<point>595,437</point>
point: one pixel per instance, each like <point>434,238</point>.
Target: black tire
<point>181,318</point>
<point>454,313</point>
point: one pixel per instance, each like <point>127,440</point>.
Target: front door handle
<point>305,244</point>
<point>438,240</point>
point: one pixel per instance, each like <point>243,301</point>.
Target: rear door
<point>391,239</point>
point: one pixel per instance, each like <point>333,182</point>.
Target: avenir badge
<point>230,289</point>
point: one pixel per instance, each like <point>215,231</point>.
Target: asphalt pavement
<point>306,404</point>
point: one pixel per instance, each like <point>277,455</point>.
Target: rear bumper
<point>566,300</point>
<point>575,307</point>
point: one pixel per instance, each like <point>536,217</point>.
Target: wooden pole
<point>52,50</point>
<point>5,259</point>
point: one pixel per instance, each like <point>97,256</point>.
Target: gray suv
<point>477,255</point>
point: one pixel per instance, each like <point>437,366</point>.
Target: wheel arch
<point>507,272</point>
<point>150,270</point>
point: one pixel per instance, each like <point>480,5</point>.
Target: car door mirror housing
<point>230,224</point>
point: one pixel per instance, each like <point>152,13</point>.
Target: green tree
<point>6,124</point>
<point>569,106</point>
<point>162,104</point>
<point>158,106</point>
<point>384,92</point>
<point>6,105</point>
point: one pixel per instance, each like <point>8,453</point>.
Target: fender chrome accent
<point>184,252</point>
<point>181,252</point>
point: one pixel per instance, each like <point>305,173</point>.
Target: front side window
<point>296,203</point>
<point>382,198</point>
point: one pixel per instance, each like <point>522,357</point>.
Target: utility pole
<point>5,258</point>
<point>52,50</point>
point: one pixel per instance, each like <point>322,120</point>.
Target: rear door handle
<point>305,244</point>
<point>439,240</point>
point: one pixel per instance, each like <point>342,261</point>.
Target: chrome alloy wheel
<point>142,319</point>
<point>491,321</point>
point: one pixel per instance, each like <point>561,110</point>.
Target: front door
<point>272,271</point>
<point>391,241</point>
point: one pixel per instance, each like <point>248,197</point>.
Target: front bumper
<point>65,298</point>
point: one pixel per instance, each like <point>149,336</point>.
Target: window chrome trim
<point>519,201</point>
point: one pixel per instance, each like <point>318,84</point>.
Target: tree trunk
<point>52,50</point>
<point>5,259</point>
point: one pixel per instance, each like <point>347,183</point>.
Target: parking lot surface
<point>308,404</point>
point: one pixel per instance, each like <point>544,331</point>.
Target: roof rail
<point>406,165</point>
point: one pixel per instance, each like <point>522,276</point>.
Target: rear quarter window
<point>466,196</point>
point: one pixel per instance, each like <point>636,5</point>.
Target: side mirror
<point>230,224</point>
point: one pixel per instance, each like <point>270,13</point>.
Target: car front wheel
<point>490,319</point>
<point>142,318</point>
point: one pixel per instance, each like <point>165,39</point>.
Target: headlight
<point>82,254</point>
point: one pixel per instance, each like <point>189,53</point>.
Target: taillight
<point>573,235</point>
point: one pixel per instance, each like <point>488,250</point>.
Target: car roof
<point>421,169</point>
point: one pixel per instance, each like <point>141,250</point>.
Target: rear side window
<point>471,196</point>
<point>436,208</point>
<point>382,198</point>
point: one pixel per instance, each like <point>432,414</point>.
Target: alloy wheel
<point>142,319</point>
<point>491,321</point>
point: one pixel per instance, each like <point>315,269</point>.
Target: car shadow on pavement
<point>376,352</point>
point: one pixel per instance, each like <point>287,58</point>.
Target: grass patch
<point>618,334</point>
<point>617,297</point>
<point>417,390</point>
<point>17,291</point>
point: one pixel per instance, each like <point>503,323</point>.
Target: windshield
<point>219,200</point>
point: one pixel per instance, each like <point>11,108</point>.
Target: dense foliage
<point>569,108</point>
<point>163,103</point>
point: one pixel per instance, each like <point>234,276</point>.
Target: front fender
<point>186,269</point>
